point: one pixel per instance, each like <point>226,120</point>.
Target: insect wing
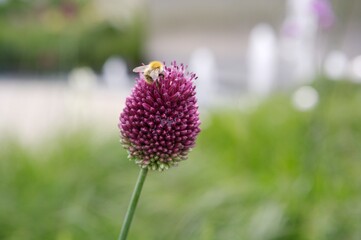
<point>154,74</point>
<point>140,69</point>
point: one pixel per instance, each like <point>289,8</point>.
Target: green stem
<point>133,204</point>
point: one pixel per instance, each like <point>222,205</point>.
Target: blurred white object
<point>262,59</point>
<point>118,12</point>
<point>355,69</point>
<point>115,73</point>
<point>298,40</point>
<point>50,105</point>
<point>305,98</point>
<point>335,65</point>
<point>203,63</point>
<point>82,82</point>
<point>82,79</point>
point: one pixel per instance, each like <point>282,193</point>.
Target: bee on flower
<point>160,122</point>
<point>151,72</point>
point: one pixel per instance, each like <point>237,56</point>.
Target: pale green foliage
<point>269,173</point>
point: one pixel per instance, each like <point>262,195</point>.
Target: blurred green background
<point>270,172</point>
<point>59,35</point>
<point>263,167</point>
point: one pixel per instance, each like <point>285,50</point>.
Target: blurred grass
<point>269,173</point>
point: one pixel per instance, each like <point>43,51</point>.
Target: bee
<point>151,72</point>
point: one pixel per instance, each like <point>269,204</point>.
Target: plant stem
<point>133,204</point>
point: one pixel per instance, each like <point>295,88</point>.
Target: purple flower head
<point>324,12</point>
<point>160,121</point>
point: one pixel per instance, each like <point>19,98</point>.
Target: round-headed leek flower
<point>160,121</point>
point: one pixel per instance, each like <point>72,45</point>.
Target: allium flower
<point>324,12</point>
<point>160,121</point>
